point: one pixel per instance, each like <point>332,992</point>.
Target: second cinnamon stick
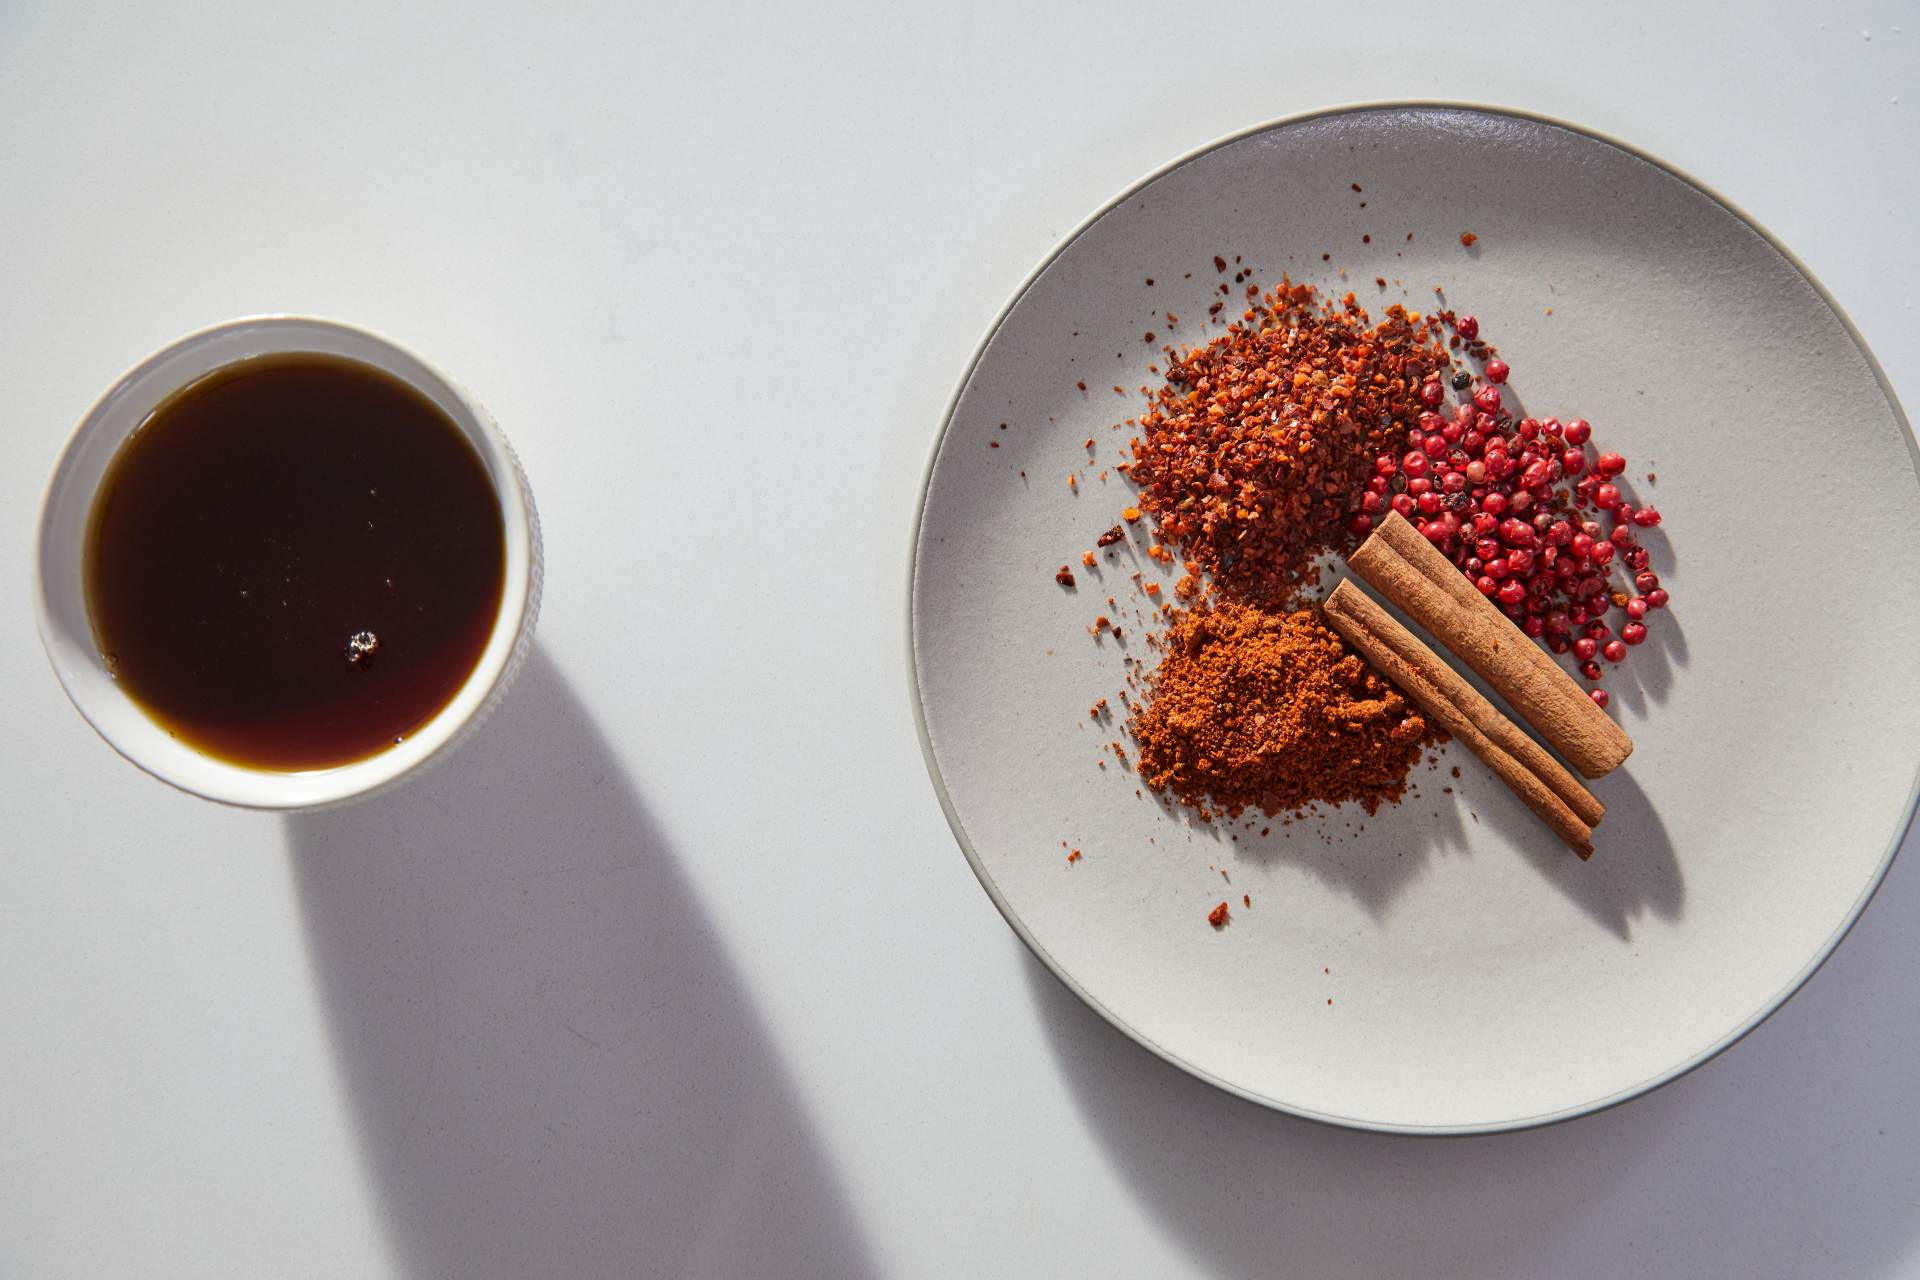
<point>1399,563</point>
<point>1536,777</point>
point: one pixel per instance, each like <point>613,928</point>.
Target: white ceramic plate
<point>1449,967</point>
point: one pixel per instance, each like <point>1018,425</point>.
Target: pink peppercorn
<point>1432,392</point>
<point>1656,599</point>
<point>1633,633</point>
<point>1599,697</point>
<point>1578,431</point>
<point>1467,327</point>
<point>1497,370</point>
<point>1614,651</point>
<point>1487,399</point>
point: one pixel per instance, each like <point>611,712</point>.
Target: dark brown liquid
<point>295,562</point>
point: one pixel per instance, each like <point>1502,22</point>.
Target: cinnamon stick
<point>1399,563</point>
<point>1536,777</point>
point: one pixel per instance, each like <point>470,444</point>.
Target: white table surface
<point>676,970</point>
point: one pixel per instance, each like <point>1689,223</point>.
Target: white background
<point>676,968</point>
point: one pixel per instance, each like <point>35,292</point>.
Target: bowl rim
<point>239,786</point>
<point>1766,1009</point>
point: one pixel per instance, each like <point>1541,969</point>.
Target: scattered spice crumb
<point>1132,514</point>
<point>1074,856</point>
<point>1086,558</point>
<point>1246,900</point>
<point>1064,577</point>
<point>1111,536</point>
<point>1082,384</point>
<point>1218,916</point>
<point>1468,238</point>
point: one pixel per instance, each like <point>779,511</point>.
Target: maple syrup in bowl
<point>284,562</point>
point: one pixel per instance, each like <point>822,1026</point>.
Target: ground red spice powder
<point>1254,453</point>
<point>1271,711</point>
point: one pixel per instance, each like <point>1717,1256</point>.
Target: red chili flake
<point>1467,238</point>
<point>1074,856</point>
<point>1218,916</point>
<point>1253,449</point>
<point>1064,577</point>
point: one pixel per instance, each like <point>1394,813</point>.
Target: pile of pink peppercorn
<point>1533,520</point>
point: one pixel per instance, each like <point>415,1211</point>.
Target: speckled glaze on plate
<point>1446,968</point>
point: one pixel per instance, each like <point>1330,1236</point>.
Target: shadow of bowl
<point>555,1068</point>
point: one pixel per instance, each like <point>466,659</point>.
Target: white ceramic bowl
<point>60,595</point>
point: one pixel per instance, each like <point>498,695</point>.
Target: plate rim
<point>1608,1101</point>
